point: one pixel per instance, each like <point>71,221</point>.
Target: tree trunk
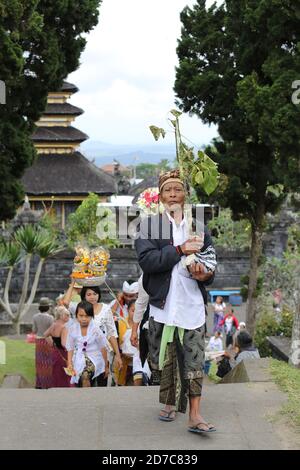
<point>33,289</point>
<point>7,310</point>
<point>6,291</point>
<point>295,346</point>
<point>256,250</point>
<point>17,326</point>
<point>25,286</point>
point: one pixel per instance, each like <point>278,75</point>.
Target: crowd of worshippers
<point>83,342</point>
<point>154,331</point>
<point>106,343</point>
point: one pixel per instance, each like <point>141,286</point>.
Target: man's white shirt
<point>184,305</point>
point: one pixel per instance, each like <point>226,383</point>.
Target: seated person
<point>215,344</point>
<point>245,352</point>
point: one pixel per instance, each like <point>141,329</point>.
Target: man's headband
<point>172,176</point>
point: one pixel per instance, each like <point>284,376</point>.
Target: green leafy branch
<point>196,170</point>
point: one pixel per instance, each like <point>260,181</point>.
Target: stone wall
<point>232,265</point>
<point>56,271</point>
<point>55,275</point>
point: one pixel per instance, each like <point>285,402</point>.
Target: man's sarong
<point>182,373</point>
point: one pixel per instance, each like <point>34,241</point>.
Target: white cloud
<point>127,72</point>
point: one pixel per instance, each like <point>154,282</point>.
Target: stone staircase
<point>126,418</point>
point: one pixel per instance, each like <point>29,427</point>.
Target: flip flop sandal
<point>198,430</point>
<point>168,415</point>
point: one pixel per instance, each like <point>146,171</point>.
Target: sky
<point>127,74</point>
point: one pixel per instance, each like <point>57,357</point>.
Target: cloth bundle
<point>207,257</point>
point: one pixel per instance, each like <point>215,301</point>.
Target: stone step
<point>256,370</point>
<point>15,381</point>
<point>126,418</point>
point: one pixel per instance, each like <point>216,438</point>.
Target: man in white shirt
<point>177,300</point>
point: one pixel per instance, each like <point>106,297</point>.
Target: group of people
<point>156,327</point>
<point>87,340</point>
<point>224,319</point>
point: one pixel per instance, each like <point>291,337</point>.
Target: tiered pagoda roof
<point>58,134</point>
<point>60,168</point>
<point>67,108</point>
<point>70,175</point>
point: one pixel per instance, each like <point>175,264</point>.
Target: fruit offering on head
<point>81,273</point>
<point>81,268</point>
<point>99,261</point>
<point>82,256</point>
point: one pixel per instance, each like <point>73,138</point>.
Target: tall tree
<point>41,42</point>
<point>145,170</point>
<point>237,64</point>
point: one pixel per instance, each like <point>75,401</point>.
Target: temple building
<point>61,178</point>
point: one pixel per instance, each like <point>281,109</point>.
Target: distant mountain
<point>103,153</point>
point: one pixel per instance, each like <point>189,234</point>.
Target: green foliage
<point>50,223</point>
<point>294,237</point>
<point>283,274</point>
<point>244,286</point>
<point>83,223</point>
<point>230,234</point>
<point>288,379</point>
<point>266,325</point>
<point>269,325</point>
<point>237,62</point>
<point>20,359</point>
<point>29,238</point>
<point>145,170</point>
<point>198,170</point>
<point>47,246</point>
<point>10,254</point>
<point>157,132</point>
<point>286,322</point>
<point>41,42</point>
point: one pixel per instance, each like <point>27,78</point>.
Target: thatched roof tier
<point>62,108</point>
<point>58,134</point>
<point>69,87</point>
<point>66,174</point>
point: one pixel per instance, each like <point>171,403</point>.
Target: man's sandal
<point>197,430</point>
<point>167,416</point>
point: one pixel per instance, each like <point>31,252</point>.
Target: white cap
<point>130,288</point>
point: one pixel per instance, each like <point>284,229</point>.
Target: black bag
<point>223,367</point>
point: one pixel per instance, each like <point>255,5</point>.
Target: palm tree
<point>27,241</point>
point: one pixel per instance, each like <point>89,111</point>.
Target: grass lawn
<point>288,380</point>
<point>20,359</point>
